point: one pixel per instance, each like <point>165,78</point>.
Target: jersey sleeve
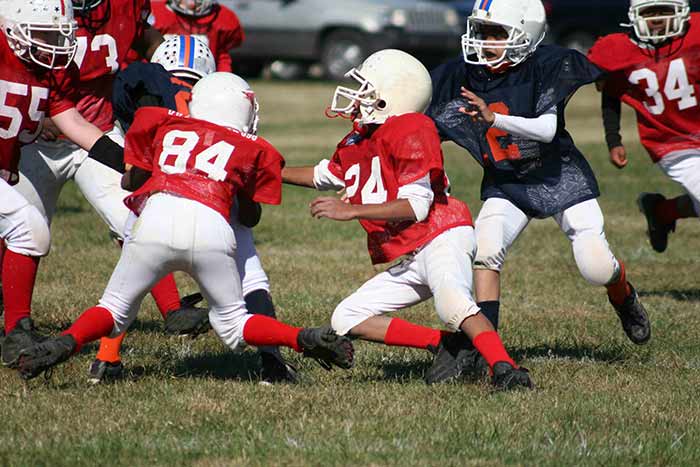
<point>264,185</point>
<point>605,52</point>
<point>143,13</point>
<point>63,95</point>
<point>230,36</point>
<point>138,143</point>
<point>414,143</point>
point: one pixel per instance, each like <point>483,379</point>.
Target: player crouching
<point>185,175</point>
<point>391,167</point>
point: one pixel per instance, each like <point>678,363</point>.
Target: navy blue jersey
<point>147,84</point>
<point>541,179</point>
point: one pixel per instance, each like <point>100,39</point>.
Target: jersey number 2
<point>677,87</point>
<point>177,150</point>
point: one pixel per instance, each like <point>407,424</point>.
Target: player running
<point>215,24</point>
<point>391,167</point>
<point>653,69</point>
<point>506,106</point>
<point>186,172</point>
<point>177,64</point>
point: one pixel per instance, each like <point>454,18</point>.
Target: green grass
<point>600,400</point>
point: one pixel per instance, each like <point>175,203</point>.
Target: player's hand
<point>50,131</point>
<point>478,109</point>
<point>332,208</point>
<point>618,157</point>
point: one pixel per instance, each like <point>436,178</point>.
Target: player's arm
<point>321,176</point>
<point>147,43</point>
<point>611,109</point>
<point>134,178</point>
<point>249,212</point>
<point>299,176</point>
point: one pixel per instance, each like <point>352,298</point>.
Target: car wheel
<point>342,50</point>
<point>580,41</point>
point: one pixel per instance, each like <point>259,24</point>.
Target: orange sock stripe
<point>109,348</point>
<point>619,290</point>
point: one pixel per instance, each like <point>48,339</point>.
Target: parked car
<point>341,34</point>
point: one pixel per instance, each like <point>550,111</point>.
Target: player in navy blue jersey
<point>166,81</point>
<point>506,107</point>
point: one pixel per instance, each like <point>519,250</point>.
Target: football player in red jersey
<point>36,48</point>
<point>215,24</point>
<point>107,29</point>
<point>654,69</point>
<point>391,167</point>
<point>186,172</point>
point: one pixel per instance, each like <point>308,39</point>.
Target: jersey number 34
<point>676,88</point>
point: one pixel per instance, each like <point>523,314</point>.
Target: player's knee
<point>490,254</point>
<point>453,304</point>
<point>594,259</point>
<point>347,315</point>
<point>31,235</point>
<point>228,324</point>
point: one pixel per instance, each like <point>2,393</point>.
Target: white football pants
<point>441,269</point>
<point>22,226</point>
<point>684,167</point>
<point>179,234</point>
<point>500,223</point>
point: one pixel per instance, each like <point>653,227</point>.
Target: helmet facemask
<point>48,45</point>
<point>656,21</point>
<point>357,104</point>
<point>479,41</point>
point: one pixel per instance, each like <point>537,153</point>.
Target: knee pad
<point>453,304</point>
<point>228,324</point>
<point>347,315</point>
<point>30,235</point>
<point>490,253</point>
<point>594,259</point>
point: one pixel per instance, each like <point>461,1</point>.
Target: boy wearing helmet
<point>216,25</point>
<point>177,64</point>
<point>653,69</point>
<point>36,76</point>
<point>189,166</point>
<point>506,105</point>
<point>391,167</point>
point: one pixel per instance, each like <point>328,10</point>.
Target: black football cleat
<point>101,371</point>
<point>326,347</point>
<point>22,336</point>
<point>657,231</point>
<point>45,355</point>
<point>506,377</point>
<point>275,370</point>
<point>188,320</point>
<point>456,356</point>
<point>633,317</point>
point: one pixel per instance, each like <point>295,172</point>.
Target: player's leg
<point>661,213</point>
<point>498,225</point>
<point>145,259</point>
<point>213,266</point>
<point>446,267</point>
<point>256,292</point>
<point>583,225</point>
<point>27,238</point>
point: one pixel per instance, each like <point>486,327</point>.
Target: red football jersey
<point>403,150</point>
<point>104,38</point>
<point>661,84</point>
<point>201,161</point>
<point>27,93</point>
<point>220,30</point>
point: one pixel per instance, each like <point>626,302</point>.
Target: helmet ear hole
<point>381,104</point>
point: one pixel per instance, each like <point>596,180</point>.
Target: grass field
<point>599,400</point>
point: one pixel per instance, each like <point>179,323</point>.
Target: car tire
<point>341,51</point>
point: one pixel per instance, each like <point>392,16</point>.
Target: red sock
<point>19,273</point>
<point>166,295</point>
<point>491,348</point>
<point>404,334</point>
<point>94,323</point>
<point>262,330</point>
<point>620,289</point>
<point>667,211</point>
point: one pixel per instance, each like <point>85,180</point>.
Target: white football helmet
<point>675,22</point>
<point>227,100</point>
<point>392,83</point>
<point>40,31</point>
<point>185,57</point>
<point>524,21</point>
<point>192,7</point>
